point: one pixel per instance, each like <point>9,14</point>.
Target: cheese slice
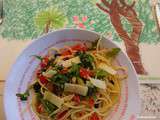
<point>68,63</point>
<point>75,88</point>
<point>107,68</point>
<point>98,83</point>
<point>51,97</point>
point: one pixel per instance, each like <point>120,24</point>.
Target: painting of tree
<point>50,19</point>
<point>27,19</point>
<point>116,9</point>
<point>19,21</point>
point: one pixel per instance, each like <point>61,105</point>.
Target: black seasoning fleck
<point>36,87</point>
<point>111,81</point>
<point>96,105</point>
<point>57,54</point>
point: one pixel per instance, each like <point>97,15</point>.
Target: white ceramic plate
<point>22,73</point>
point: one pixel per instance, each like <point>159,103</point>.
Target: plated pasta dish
<point>76,82</point>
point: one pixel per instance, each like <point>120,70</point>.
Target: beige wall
<point>9,50</point>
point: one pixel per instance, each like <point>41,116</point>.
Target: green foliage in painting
<point>53,16</point>
<point>25,19</point>
<point>149,34</point>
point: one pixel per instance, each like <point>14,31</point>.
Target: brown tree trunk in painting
<point>47,27</point>
<point>116,9</point>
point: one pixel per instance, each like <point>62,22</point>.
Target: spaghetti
<point>77,82</point>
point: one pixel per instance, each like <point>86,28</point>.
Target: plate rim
<point>34,41</point>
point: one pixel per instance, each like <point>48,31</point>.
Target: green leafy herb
<point>59,80</point>
<point>113,52</point>
<point>74,70</point>
<point>23,96</point>
<point>59,67</point>
<point>48,106</point>
<point>92,91</point>
<point>80,81</point>
<point>101,73</point>
<point>86,60</point>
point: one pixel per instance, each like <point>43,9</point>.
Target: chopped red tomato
<point>45,59</point>
<point>43,65</point>
<point>43,79</point>
<point>94,117</point>
<point>91,102</point>
<point>79,47</point>
<point>39,72</point>
<point>40,108</point>
<point>76,98</point>
<point>85,73</point>
<point>61,114</point>
<point>64,71</point>
<point>81,113</point>
<point>84,102</point>
<point>44,62</point>
<point>50,87</point>
<point>66,52</point>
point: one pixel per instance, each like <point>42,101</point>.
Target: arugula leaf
<point>86,60</point>
<point>74,70</point>
<point>48,106</point>
<point>23,96</point>
<point>92,91</point>
<point>80,81</point>
<point>113,52</point>
<point>58,67</point>
<point>59,80</point>
<point>100,73</point>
